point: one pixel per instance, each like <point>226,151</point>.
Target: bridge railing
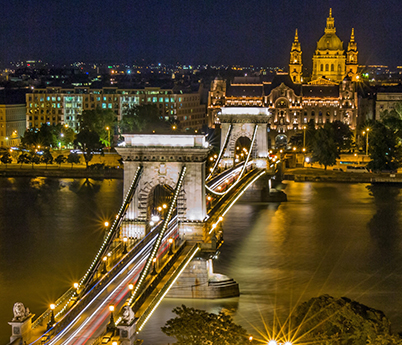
<point>166,287</point>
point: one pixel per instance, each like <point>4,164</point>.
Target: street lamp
<point>154,267</point>
<point>104,270</point>
<point>111,327</point>
<point>125,245</point>
<point>367,143</point>
<point>52,320</point>
<point>108,135</point>
<point>170,240</point>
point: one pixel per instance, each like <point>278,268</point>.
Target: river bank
<point>76,172</point>
<point>321,175</point>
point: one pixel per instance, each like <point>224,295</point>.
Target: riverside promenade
<point>321,175</point>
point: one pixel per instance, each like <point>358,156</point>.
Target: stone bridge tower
<point>240,122</point>
<point>162,157</point>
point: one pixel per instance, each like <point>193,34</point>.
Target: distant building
<point>291,103</point>
<point>387,98</point>
<point>12,117</point>
<point>56,105</point>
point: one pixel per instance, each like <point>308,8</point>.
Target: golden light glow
<point>130,286</point>
<point>106,224</point>
<point>75,285</point>
<point>170,240</point>
<point>52,306</point>
<point>111,308</point>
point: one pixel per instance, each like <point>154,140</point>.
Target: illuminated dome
<point>330,41</point>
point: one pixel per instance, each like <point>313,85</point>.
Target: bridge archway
<point>242,148</point>
<point>162,158</point>
<point>237,122</point>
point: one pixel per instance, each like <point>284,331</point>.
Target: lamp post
<point>111,327</point>
<point>170,240</point>
<point>367,143</point>
<point>52,320</point>
<point>104,269</point>
<point>125,245</point>
<point>108,135</point>
<point>153,267</point>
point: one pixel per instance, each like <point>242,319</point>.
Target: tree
<point>145,119</point>
<point>33,158</point>
<point>73,158</point>
<point>384,149</point>
<point>47,157</point>
<point>329,320</point>
<point>45,136</point>
<point>6,158</point>
<point>197,327</point>
<point>88,142</point>
<point>97,120</point>
<point>343,136</point>
<point>60,159</point>
<point>325,149</point>
<point>23,159</point>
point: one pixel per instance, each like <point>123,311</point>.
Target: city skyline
<point>251,33</point>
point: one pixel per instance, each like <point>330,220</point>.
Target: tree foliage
<point>23,159</point>
<point>384,148</point>
<point>325,148</point>
<point>88,142</point>
<point>47,157</point>
<point>197,327</point>
<point>60,159</point>
<point>343,136</point>
<point>145,119</point>
<point>6,158</point>
<point>340,321</point>
<point>73,158</point>
<point>97,121</point>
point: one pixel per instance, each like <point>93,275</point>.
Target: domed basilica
<point>291,101</point>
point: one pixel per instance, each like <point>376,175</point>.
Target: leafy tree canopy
<point>197,327</point>
<point>340,321</point>
<point>88,142</point>
<point>6,158</point>
<point>98,120</point>
<point>325,148</point>
<point>146,119</point>
<point>343,136</point>
<point>384,148</point>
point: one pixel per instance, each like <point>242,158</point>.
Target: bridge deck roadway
<point>90,323</point>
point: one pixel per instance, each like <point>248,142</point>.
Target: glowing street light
<point>111,327</point>
<point>170,240</point>
<point>108,135</point>
<point>125,245</point>
<point>52,320</point>
<point>154,267</point>
<point>367,142</point>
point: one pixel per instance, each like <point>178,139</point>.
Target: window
<point>103,105</point>
<point>321,67</point>
<point>110,105</point>
<point>326,67</point>
<point>332,67</point>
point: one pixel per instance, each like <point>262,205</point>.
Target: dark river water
<point>336,239</point>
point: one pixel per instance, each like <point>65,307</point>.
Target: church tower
<point>295,64</point>
<point>351,57</point>
<point>329,58</point>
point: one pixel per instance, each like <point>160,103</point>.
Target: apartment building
<point>54,105</point>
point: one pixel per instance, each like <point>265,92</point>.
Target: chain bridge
<point>162,241</point>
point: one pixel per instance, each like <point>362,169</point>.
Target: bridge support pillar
<point>128,333</point>
<point>198,280</point>
<point>21,329</point>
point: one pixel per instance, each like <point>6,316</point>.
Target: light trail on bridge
<point>116,295</point>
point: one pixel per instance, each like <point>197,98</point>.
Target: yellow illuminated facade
<point>295,64</point>
<point>330,61</point>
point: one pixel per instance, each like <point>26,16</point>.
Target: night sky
<point>247,32</point>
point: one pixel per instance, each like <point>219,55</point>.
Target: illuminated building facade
<point>330,95</point>
<point>56,105</point>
